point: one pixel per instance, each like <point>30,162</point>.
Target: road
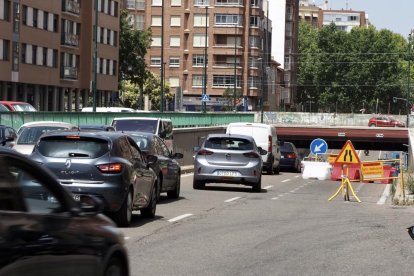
<point>290,228</point>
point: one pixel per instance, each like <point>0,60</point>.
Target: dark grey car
<point>167,168</point>
<point>108,165</point>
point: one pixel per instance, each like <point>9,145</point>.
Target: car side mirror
<point>410,231</point>
<point>196,148</point>
<point>90,205</point>
<point>162,134</point>
<point>151,159</point>
<point>178,155</point>
<point>262,151</point>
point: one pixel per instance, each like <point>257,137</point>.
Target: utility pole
<point>95,58</point>
<point>203,103</point>
<point>162,58</point>
<point>408,79</point>
<point>235,68</point>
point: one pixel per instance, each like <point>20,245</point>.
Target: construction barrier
<point>354,173</point>
<point>314,169</point>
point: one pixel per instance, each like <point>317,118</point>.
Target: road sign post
<point>318,146</point>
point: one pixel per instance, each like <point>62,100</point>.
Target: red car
<point>17,106</point>
<point>384,121</point>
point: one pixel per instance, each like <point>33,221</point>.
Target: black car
<point>289,157</point>
<point>167,168</point>
<point>44,231</point>
<point>7,136</point>
<point>108,165</point>
<point>95,128</point>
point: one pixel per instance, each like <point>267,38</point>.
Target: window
<point>197,80</point>
<point>4,49</point>
<point>5,10</point>
<point>174,61</point>
<point>157,2</point>
<point>254,42</point>
<point>228,19</point>
<point>200,20</point>
<point>174,41</point>
<point>201,2</point>
<point>175,20</point>
<point>254,21</point>
<point>174,81</point>
<point>198,60</point>
<point>229,2</point>
<point>176,3</point>
<point>256,3</point>
<point>155,62</point>
<point>199,40</point>
<point>253,82</point>
<point>156,41</point>
<point>225,81</point>
<point>156,20</point>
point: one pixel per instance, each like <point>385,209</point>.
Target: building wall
<point>51,44</point>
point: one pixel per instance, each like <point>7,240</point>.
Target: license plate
<point>77,197</point>
<point>227,173</point>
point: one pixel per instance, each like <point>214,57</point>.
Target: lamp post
<point>162,58</point>
<point>203,103</point>
<point>408,79</point>
<point>235,68</point>
<point>95,57</point>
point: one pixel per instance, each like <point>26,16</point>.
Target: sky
<point>394,15</point>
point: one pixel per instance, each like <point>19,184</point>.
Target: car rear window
<point>142,141</point>
<point>30,135</point>
<point>23,107</point>
<point>286,147</point>
<point>227,143</point>
<point>73,146</point>
<point>136,125</point>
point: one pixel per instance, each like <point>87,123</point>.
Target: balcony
<point>70,73</point>
<point>70,39</point>
<point>71,6</point>
<point>226,65</point>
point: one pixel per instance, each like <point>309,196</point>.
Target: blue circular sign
<point>319,146</point>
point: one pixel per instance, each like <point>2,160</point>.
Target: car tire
<point>257,187</point>
<point>270,170</point>
<point>371,125</point>
<point>298,168</point>
<point>197,185</point>
<point>149,211</point>
<point>123,216</point>
<point>276,170</point>
<point>176,192</point>
<point>116,267</point>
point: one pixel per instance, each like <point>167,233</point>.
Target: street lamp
<point>205,61</point>
<point>162,57</point>
<point>235,67</point>
<point>408,78</point>
<point>95,58</point>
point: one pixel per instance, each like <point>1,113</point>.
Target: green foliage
<point>228,95</point>
<point>346,71</point>
<point>151,88</point>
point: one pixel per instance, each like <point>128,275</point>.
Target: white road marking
<point>127,238</point>
<point>385,195</point>
<point>267,187</point>
<point>297,176</point>
<point>179,217</point>
<point>286,180</point>
<point>232,199</point>
<point>379,156</point>
<point>187,174</point>
<point>281,195</point>
<point>274,198</point>
<point>359,153</point>
<point>359,187</point>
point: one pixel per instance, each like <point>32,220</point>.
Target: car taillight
<point>110,168</point>
<point>251,154</point>
<point>204,152</point>
<point>291,155</point>
<point>269,145</point>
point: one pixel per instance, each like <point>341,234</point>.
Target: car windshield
<point>136,125</point>
<point>142,141</point>
<point>286,147</point>
<point>3,108</point>
<point>63,147</point>
<point>30,135</point>
<point>227,143</point>
<point>23,107</point>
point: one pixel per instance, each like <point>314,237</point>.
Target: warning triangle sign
<point>348,155</point>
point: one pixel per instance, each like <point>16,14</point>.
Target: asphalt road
<point>290,228</point>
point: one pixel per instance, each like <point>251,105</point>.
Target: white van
<point>159,126</point>
<point>266,138</point>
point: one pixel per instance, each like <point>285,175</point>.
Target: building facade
<point>309,12</point>
<point>209,46</point>
<point>46,52</point>
<point>288,99</point>
<point>343,19</point>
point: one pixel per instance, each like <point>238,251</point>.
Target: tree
<point>348,71</point>
<point>228,95</point>
<point>133,45</point>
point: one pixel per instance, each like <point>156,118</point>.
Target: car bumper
<point>288,163</point>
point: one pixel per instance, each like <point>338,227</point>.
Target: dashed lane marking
<point>126,238</point>
<point>286,180</point>
<point>232,199</point>
<point>385,195</point>
<point>179,217</point>
<point>268,187</point>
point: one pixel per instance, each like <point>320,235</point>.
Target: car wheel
<point>371,125</point>
<point>298,168</point>
<point>270,170</point>
<point>257,187</point>
<point>149,211</point>
<point>123,216</point>
<point>198,184</point>
<point>176,192</point>
<point>115,267</point>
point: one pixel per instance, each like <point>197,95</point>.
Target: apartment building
<point>46,52</point>
<point>343,19</point>
<point>309,12</point>
<point>288,99</point>
<point>225,42</point>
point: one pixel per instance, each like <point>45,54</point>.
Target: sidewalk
<point>399,198</point>
<point>187,169</point>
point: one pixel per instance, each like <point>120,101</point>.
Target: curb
<point>187,169</point>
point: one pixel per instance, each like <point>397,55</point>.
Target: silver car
<point>228,158</point>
